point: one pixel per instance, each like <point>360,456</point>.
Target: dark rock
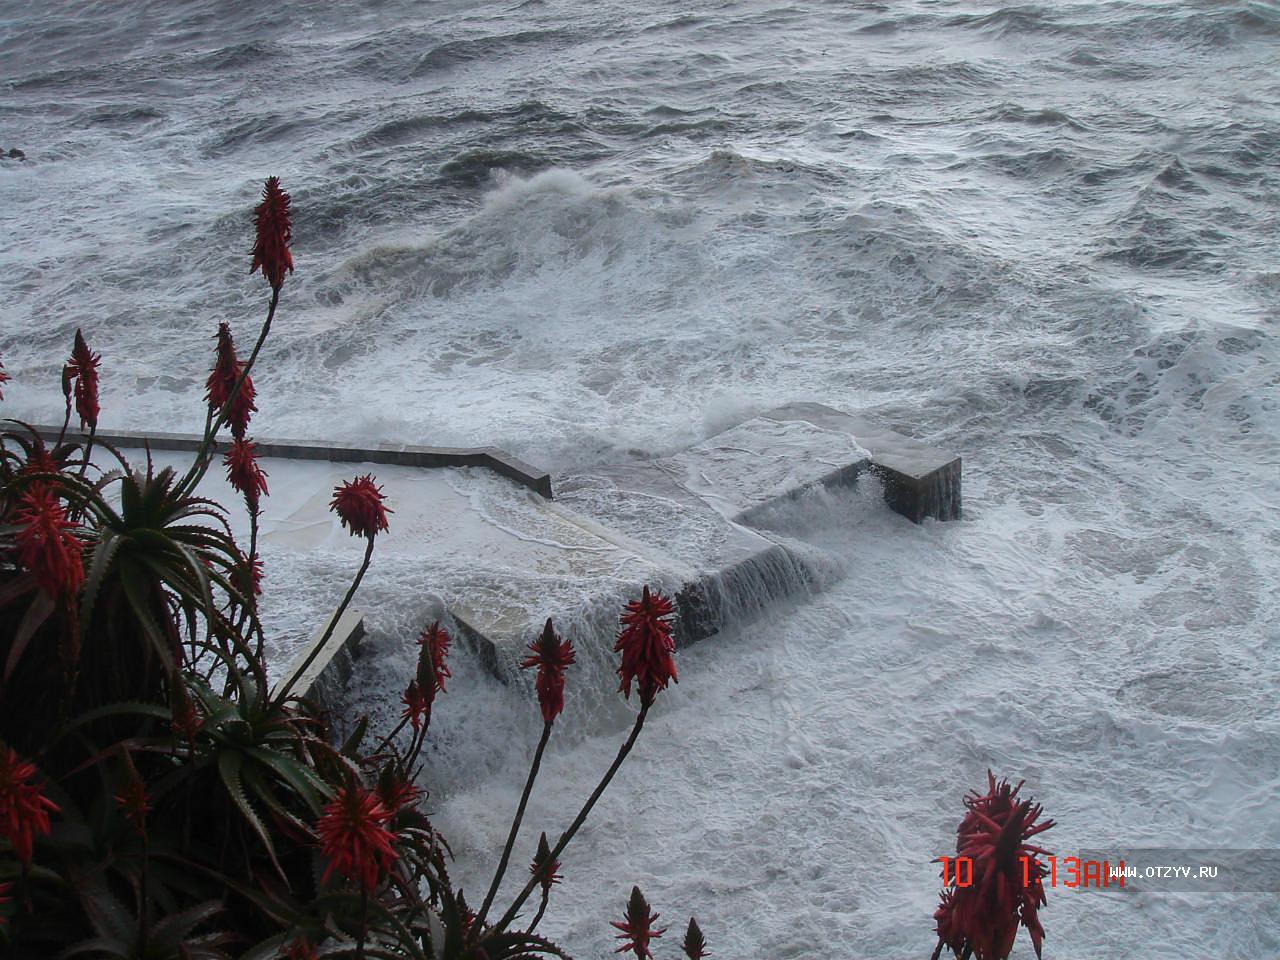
<point>16,154</point>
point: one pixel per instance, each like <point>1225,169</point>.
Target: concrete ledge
<point>704,604</point>
<point>406,455</point>
<point>695,524</point>
<point>498,658</point>
<point>326,678</point>
<point>742,591</point>
<point>919,480</point>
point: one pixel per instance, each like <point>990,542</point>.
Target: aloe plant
<point>159,801</point>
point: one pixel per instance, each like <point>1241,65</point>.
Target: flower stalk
<point>200,465</point>
<point>552,656</point>
<point>515,828</point>
<point>283,692</point>
<point>578,821</point>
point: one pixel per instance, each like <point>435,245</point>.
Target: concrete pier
<point>503,556</point>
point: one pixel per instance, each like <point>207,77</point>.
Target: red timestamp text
<point>1070,872</point>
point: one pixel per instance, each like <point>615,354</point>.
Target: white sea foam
<point>1042,236</point>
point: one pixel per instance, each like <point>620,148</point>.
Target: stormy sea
<point>1041,235</point>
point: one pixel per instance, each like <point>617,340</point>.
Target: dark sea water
<point>1042,235</point>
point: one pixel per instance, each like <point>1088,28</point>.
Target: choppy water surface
<point>1043,235</point>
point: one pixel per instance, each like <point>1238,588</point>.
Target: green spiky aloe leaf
<point>229,766</point>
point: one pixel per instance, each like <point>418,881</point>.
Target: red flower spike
<point>415,705</point>
<point>546,870</point>
<point>694,946</point>
<point>46,544</point>
<point>396,793</point>
<point>274,234</point>
<point>222,380</point>
<point>4,378</point>
<point>185,719</point>
<point>136,804</point>
<point>358,504</point>
<point>300,949</point>
<point>40,460</point>
<point>242,407</point>
<point>82,368</point>
<point>222,376</point>
<point>24,809</point>
<point>354,838</point>
<point>646,645</point>
<point>255,574</point>
<point>983,917</point>
<point>432,669</point>
<point>243,472</point>
<point>637,929</point>
<point>551,656</point>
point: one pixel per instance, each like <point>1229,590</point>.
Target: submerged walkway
<point>505,555</point>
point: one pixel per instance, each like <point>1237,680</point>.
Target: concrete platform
<point>504,557</point>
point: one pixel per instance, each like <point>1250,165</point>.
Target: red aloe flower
<point>46,545</point>
<point>395,792</point>
<point>185,718</point>
<point>243,472</point>
<point>4,378</point>
<point>24,809</point>
<point>695,946</point>
<point>222,380</point>
<point>545,869</point>
<point>551,656</point>
<point>300,949</point>
<point>637,929</point>
<point>646,646</point>
<point>358,504</point>
<point>135,803</point>
<point>40,460</point>
<point>982,918</point>
<point>82,369</point>
<point>274,233</point>
<point>4,896</point>
<point>432,669</point>
<point>255,573</point>
<point>415,705</point>
<point>354,837</point>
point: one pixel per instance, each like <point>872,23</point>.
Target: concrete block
<point>325,678</point>
<point>919,480</point>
